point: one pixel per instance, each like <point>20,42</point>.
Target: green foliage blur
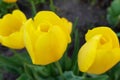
<point>6,8</point>
<point>113,14</point>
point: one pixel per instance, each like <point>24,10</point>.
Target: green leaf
<point>1,76</point>
<point>36,72</point>
<point>102,77</point>
<point>70,76</point>
<point>113,13</point>
<point>28,71</point>
<point>15,63</point>
<point>40,1</point>
<point>52,6</point>
<point>23,77</point>
<point>114,73</point>
<point>10,63</point>
<point>66,62</point>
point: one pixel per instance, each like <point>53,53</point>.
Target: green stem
<point>84,75</point>
<point>34,11</point>
<point>52,7</point>
<point>60,69</point>
<point>16,6</point>
<point>93,2</point>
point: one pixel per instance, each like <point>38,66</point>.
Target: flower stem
<point>84,75</point>
<point>33,7</point>
<point>60,69</point>
<point>16,6</point>
<point>52,6</point>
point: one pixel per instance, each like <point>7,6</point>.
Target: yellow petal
<point>104,31</point>
<point>55,20</point>
<point>46,16</point>
<point>10,1</point>
<point>104,61</point>
<point>67,27</point>
<point>87,53</point>
<point>67,24</point>
<point>9,25</point>
<point>15,40</point>
<point>19,15</point>
<point>50,46</point>
<point>0,38</point>
<point>30,37</point>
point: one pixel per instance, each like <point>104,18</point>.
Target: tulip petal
<point>52,18</point>
<point>67,24</point>
<point>46,16</point>
<point>104,61</point>
<point>9,24</point>
<point>30,37</point>
<point>87,53</point>
<point>50,46</point>
<point>14,37</point>
<point>10,1</point>
<point>21,18</point>
<point>103,31</point>
<point>67,27</point>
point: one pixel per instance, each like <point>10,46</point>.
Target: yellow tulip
<point>100,52</point>
<point>10,1</point>
<point>46,37</point>
<point>11,34</point>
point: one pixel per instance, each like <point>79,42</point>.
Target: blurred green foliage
<point>6,7</point>
<point>113,13</point>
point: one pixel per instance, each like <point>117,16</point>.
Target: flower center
<point>44,27</point>
<point>103,41</point>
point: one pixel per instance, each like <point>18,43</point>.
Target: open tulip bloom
<point>46,37</point>
<point>100,52</point>
<point>11,33</point>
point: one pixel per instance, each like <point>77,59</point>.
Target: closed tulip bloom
<point>11,33</point>
<point>46,37</point>
<point>100,52</point>
<point>10,1</point>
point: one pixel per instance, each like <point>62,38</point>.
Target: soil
<point>88,15</point>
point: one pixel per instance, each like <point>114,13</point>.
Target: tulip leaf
<point>102,77</point>
<point>40,1</point>
<point>23,77</point>
<point>114,73</point>
<point>113,13</point>
<point>36,72</point>
<point>5,8</point>
<point>70,76</point>
<point>52,6</point>
<point>10,63</point>
<point>66,62</point>
<point>14,63</point>
<point>1,76</point>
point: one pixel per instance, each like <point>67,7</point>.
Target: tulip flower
<point>11,33</point>
<point>46,37</point>
<point>10,1</point>
<point>100,52</point>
